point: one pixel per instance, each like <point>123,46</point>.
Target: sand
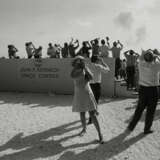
<point>43,127</point>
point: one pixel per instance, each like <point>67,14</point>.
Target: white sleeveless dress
<point>83,96</point>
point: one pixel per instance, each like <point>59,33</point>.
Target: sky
<point>134,22</point>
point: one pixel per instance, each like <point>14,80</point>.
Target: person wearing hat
<point>84,100</point>
<point>148,90</point>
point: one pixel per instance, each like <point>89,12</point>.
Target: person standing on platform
<point>104,49</point>
<point>148,90</point>
<point>130,70</point>
<point>97,67</point>
<point>73,46</point>
<point>95,46</point>
<point>84,100</point>
<point>85,50</point>
<point>30,49</point>
<point>51,51</point>
<point>116,54</point>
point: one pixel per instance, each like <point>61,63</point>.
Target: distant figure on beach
<point>97,67</point>
<point>73,46</point>
<point>30,49</point>
<point>51,51</point>
<point>85,50</point>
<point>148,90</point>
<point>130,70</point>
<point>38,52</point>
<point>84,100</point>
<point>104,48</point>
<point>12,52</point>
<point>116,54</point>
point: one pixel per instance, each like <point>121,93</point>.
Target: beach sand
<point>43,127</point>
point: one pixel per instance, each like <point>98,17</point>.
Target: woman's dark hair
<point>81,62</point>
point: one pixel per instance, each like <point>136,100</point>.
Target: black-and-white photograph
<point>79,80</point>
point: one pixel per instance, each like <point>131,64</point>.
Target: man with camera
<point>130,69</point>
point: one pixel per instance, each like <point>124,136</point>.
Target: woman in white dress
<point>84,100</point>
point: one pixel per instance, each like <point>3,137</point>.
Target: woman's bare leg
<point>83,121</point>
<point>96,124</point>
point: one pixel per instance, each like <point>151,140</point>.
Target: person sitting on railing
<point>12,52</point>
<point>38,52</point>
<point>30,49</point>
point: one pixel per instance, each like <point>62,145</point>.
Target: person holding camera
<point>84,100</point>
<point>30,49</point>
<point>116,54</point>
<point>95,46</point>
<point>97,67</point>
<point>131,58</point>
<point>85,50</point>
<point>104,49</point>
<point>38,53</point>
<point>73,46</point>
<point>149,70</point>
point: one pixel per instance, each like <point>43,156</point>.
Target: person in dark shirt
<point>84,51</point>
<point>65,50</point>
<point>95,47</point>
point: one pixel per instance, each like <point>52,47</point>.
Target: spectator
<point>97,67</point>
<point>116,54</point>
<point>30,49</point>
<point>12,52</point>
<point>38,52</point>
<point>95,47</point>
<point>84,100</point>
<point>84,51</point>
<point>72,48</point>
<point>104,49</point>
<point>148,90</point>
<point>65,50</point>
<point>130,70</point>
<point>51,51</point>
<point>122,71</point>
<point>58,50</point>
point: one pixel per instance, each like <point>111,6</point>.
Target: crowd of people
<point>140,70</point>
<point>87,88</point>
<point>125,69</point>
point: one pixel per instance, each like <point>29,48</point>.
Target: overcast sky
<point>134,22</point>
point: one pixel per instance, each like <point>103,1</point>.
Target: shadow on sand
<point>40,145</point>
<point>106,151</point>
<point>43,145</point>
<point>36,99</point>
